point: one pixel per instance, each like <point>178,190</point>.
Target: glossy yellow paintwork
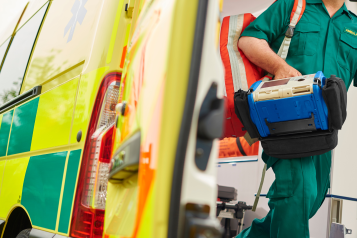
<point>54,116</point>
<point>114,31</point>
<point>64,76</point>
<point>178,69</point>
<point>48,60</point>
<point>2,169</point>
<point>2,165</point>
<point>155,91</point>
<point>123,201</point>
<point>12,183</point>
<point>70,73</point>
<point>91,42</point>
<point>85,102</point>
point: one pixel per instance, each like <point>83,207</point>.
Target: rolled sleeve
<point>272,22</point>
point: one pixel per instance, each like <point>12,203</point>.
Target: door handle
<point>21,98</point>
<point>210,126</point>
<point>125,161</point>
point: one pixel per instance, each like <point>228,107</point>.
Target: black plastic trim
<point>294,126</point>
<point>21,98</point>
<point>125,160</point>
<point>187,119</point>
<point>210,126</point>
<point>240,147</point>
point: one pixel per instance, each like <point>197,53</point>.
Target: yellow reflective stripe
<point>114,31</point>
<point>1,119</point>
<point>61,196</point>
<point>8,140</point>
<point>54,116</point>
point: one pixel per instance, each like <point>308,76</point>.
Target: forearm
<point>259,52</point>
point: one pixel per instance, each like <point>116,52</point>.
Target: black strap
<point>240,147</point>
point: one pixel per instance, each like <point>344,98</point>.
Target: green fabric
<point>42,188</point>
<point>320,43</point>
<point>68,191</point>
<point>4,131</point>
<point>22,127</point>
<point>295,196</point>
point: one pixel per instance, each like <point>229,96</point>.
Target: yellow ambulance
<point>61,67</point>
<point>162,179</point>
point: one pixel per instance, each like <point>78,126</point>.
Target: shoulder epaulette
<point>352,13</point>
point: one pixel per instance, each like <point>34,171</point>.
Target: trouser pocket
<point>282,187</point>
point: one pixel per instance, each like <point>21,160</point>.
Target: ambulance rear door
<point>171,110</point>
<point>193,188</point>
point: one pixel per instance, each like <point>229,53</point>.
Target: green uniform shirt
<point>320,43</point>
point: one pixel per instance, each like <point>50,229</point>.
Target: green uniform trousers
<point>297,193</point>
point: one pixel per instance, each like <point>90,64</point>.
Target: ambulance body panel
<point>171,67</point>
<point>42,139</point>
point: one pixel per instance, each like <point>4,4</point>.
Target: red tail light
<point>88,210</point>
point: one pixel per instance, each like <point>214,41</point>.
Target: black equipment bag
<point>227,194</point>
<point>335,95</point>
<point>289,146</point>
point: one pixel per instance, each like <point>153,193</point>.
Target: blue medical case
<point>290,115</point>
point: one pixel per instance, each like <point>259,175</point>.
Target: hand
<point>286,71</point>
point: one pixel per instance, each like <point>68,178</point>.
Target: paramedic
<point>325,39</point>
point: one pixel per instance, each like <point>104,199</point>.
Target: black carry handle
<point>287,127</point>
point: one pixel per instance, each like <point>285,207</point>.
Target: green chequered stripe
<point>42,188</point>
<point>4,131</point>
<point>22,127</point>
<point>68,191</point>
